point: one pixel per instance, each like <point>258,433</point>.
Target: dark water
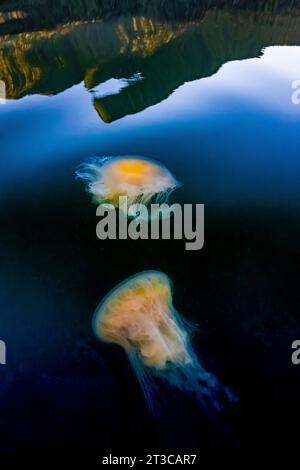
<point>213,102</point>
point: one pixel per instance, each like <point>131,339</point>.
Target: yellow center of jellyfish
<point>132,171</point>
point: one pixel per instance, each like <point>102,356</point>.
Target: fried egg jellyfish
<point>140,179</point>
<point>139,316</point>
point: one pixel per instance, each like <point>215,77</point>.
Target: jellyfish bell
<point>140,179</point>
<point>139,316</point>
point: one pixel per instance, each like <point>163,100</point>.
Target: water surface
<point>208,92</point>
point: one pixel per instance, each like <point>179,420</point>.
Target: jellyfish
<point>139,316</point>
<point>139,179</point>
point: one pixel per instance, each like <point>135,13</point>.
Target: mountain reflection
<point>166,47</point>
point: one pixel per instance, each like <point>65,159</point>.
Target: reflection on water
<point>166,53</point>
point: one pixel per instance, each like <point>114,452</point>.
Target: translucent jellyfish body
<point>139,316</point>
<point>140,179</point>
